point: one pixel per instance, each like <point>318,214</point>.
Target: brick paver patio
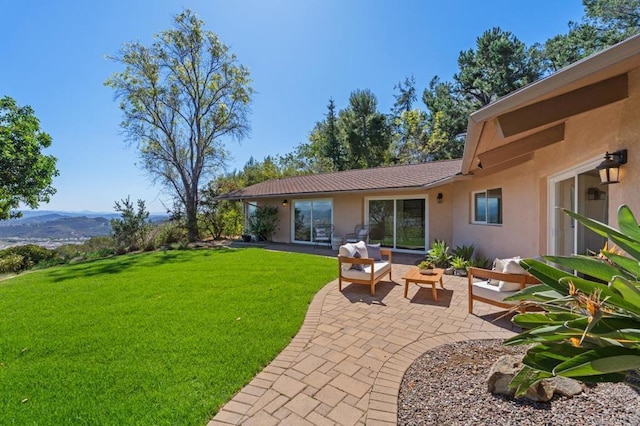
<point>345,365</point>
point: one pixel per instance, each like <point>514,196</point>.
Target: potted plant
<point>460,265</point>
<point>246,236</point>
<point>426,267</point>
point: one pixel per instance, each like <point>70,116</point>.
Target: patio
<point>346,363</point>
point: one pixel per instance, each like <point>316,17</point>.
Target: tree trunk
<point>192,221</point>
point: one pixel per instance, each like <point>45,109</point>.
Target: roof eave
<point>545,86</point>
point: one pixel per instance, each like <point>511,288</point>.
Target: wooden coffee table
<point>414,276</point>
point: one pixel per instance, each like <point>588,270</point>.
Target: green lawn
<point>154,338</point>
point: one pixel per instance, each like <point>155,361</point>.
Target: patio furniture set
<point>368,264</point>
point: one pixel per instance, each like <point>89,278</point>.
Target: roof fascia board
<point>583,68</point>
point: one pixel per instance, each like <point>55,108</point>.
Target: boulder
<point>501,373</point>
<point>506,368</point>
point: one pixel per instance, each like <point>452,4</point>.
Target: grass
<point>154,338</point>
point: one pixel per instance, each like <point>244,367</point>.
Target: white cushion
<point>361,247</point>
<point>379,268</point>
<point>347,250</point>
<point>511,266</point>
<point>362,234</point>
<point>491,292</point>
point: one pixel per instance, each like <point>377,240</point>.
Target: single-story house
<point>525,155</point>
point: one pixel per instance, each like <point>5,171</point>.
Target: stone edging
<point>383,401</point>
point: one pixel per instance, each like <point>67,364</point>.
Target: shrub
<point>31,254</point>
<point>480,262</point>
<point>130,231</point>
<point>11,263</point>
<point>170,233</point>
<point>263,222</point>
<point>101,243</point>
<point>590,329</point>
<point>465,252</point>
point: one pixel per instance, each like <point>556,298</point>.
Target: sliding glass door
<point>309,214</point>
<point>398,223</point>
<point>579,191</point>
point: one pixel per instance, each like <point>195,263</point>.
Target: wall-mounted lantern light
<point>609,169</point>
<point>285,203</point>
<point>594,193</point>
<point>439,197</point>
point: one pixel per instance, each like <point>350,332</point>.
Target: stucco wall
<point>349,211</point>
<point>524,187</point>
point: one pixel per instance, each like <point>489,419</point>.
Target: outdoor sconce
<point>609,169</point>
<point>439,198</point>
<point>594,193</point>
<point>285,203</point>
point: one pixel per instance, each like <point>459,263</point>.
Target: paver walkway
<point>345,365</point>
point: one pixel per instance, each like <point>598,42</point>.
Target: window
<point>487,206</point>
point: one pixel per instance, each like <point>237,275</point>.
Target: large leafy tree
<point>500,64</point>
<point>180,98</point>
<point>26,174</point>
<point>366,131</point>
<point>407,124</point>
<point>333,146</point>
<point>605,23</point>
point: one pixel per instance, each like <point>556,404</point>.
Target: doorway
<point>577,190</point>
<point>398,223</point>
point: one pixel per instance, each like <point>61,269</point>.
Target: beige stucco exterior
<point>587,137</point>
<point>349,210</point>
<point>541,141</point>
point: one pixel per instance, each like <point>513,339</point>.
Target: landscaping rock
<point>541,391</point>
<point>501,373</point>
<point>506,368</point>
<point>544,390</point>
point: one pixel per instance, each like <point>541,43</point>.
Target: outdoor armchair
<point>360,233</point>
<point>322,234</point>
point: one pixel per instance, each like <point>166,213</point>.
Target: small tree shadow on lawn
<point>117,264</point>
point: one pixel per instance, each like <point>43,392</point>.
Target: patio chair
<point>322,234</point>
<point>496,284</point>
<point>360,233</point>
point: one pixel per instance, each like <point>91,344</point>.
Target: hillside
<point>55,227</point>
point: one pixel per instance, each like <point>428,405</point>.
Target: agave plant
<point>438,254</point>
<point>463,251</point>
<point>589,328</point>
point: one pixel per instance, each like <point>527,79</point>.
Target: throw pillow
<point>361,247</point>
<point>374,251</point>
<point>321,233</point>
<point>357,266</point>
<point>498,266</point>
<point>512,266</point>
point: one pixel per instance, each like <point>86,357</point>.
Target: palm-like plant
<point>590,327</point>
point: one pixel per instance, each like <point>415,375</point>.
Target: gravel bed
<point>447,386</point>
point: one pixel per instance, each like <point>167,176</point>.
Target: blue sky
<point>299,52</point>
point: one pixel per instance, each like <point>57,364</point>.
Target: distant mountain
<point>55,225</point>
<point>56,228</point>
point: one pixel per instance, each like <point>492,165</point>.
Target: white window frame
<point>473,208</point>
<point>568,173</point>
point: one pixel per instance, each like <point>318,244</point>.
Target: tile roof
<point>381,178</point>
